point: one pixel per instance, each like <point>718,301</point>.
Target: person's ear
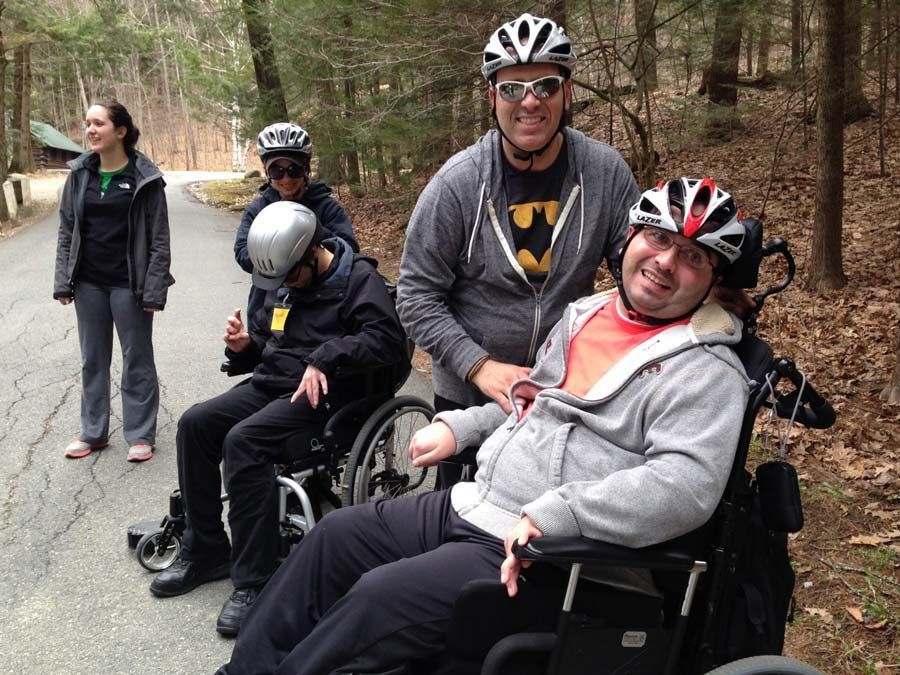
<point>121,132</point>
<point>567,95</point>
<point>492,95</point>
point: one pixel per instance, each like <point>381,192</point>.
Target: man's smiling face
<point>531,122</point>
<point>660,284</point>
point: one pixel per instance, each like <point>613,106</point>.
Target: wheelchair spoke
<point>380,464</point>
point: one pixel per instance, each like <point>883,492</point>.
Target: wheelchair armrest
<point>665,556</point>
<point>344,416</point>
<point>233,369</point>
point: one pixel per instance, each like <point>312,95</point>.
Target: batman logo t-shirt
<point>533,199</point>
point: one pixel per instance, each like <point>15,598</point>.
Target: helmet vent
<point>524,32</point>
<point>649,207</point>
<point>542,36</point>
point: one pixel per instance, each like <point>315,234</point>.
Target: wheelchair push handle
<point>773,247</point>
<point>812,409</point>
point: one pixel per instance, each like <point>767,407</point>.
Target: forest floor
<point>847,557</point>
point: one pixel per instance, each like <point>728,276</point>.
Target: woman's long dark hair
<point>120,117</point>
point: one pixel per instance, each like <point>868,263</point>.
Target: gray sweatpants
<point>98,309</point>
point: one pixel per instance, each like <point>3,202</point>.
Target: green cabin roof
<point>47,136</point>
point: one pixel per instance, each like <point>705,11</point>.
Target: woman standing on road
<point>112,260</point>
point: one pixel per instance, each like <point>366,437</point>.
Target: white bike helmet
<point>528,39</point>
<point>696,209</point>
<point>278,240</point>
<point>283,139</point>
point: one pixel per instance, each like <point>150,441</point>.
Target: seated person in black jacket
<point>327,314</point>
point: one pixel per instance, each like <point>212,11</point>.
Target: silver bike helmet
<point>283,139</point>
<point>528,39</point>
<point>278,239</point>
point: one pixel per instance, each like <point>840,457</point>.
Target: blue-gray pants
<point>98,309</point>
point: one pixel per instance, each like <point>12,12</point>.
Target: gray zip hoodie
<point>462,294</point>
<point>642,459</point>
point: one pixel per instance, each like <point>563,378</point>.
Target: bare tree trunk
<point>4,210</point>
<point>825,266</point>
<point>882,53</point>
<point>765,44</point>
<point>891,393</point>
<point>84,97</point>
<point>874,35</point>
<point>21,160</point>
<point>723,70</point>
<point>796,35</point>
<point>856,106</point>
<point>645,61</point>
<point>271,106</point>
<point>329,167</point>
<point>351,157</point>
<point>748,49</point>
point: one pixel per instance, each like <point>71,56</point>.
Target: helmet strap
<point>521,154</point>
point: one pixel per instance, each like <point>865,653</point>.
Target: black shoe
<point>185,575</point>
<point>235,610</point>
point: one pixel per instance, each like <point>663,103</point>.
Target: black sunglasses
<point>277,172</point>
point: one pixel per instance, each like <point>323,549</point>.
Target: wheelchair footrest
<point>138,530</point>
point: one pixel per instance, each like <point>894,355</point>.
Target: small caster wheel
<point>149,558</point>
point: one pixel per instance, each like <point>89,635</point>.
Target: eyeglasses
<point>542,88</point>
<point>663,241</point>
<point>277,172</point>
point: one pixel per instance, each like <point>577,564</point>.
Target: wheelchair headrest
<point>744,272</point>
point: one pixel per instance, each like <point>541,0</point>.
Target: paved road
<point>73,600</point>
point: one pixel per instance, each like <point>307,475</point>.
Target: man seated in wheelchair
<point>328,317</point>
<point>625,431</point>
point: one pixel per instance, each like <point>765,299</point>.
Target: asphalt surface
<point>73,599</point>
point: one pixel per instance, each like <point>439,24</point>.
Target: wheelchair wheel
<point>766,665</point>
<point>148,556</point>
<point>378,466</point>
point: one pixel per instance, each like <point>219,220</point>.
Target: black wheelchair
<point>360,454</point>
<point>708,598</point>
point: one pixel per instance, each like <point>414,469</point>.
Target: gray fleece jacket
<point>462,294</point>
<point>642,459</point>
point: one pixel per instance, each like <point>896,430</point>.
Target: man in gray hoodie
<point>624,431</point>
<point>513,228</point>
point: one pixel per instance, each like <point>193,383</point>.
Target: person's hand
<point>312,381</point>
<point>494,379</point>
<point>735,300</point>
<point>236,336</point>
<point>65,299</point>
<point>524,530</point>
<point>432,444</point>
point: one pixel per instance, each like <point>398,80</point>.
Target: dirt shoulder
<point>45,190</point>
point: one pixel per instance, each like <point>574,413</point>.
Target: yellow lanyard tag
<point>279,316</point>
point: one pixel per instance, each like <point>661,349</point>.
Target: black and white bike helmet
<point>283,139</point>
<point>528,39</point>
<point>696,209</point>
<point>279,238</point>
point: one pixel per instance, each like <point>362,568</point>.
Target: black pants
<point>371,587</point>
<point>250,428</point>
